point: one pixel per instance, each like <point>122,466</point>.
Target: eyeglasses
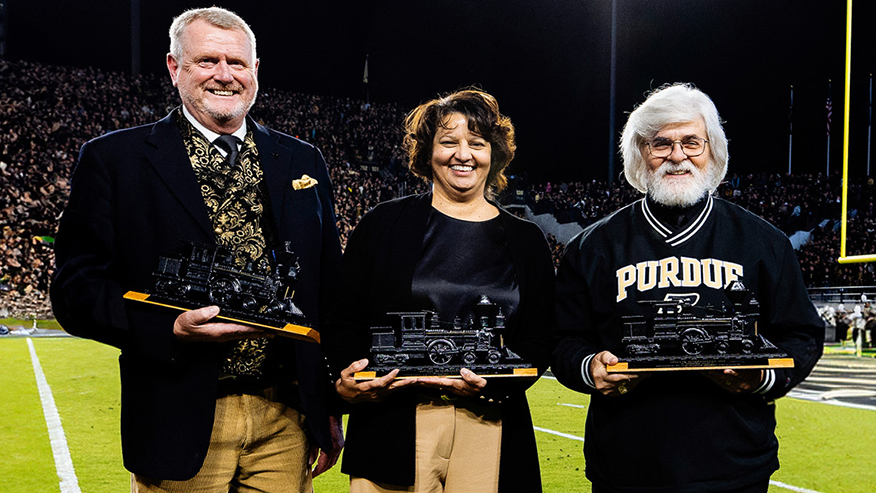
<point>691,146</point>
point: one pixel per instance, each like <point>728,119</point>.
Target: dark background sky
<point>547,62</point>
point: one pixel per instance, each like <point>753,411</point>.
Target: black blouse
<point>461,261</point>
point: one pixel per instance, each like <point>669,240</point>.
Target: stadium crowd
<point>361,143</point>
<point>47,112</point>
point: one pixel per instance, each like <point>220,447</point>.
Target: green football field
<point>823,448</point>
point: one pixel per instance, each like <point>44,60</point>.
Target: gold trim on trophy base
<point>299,332</point>
<point>516,372</point>
<point>624,366</point>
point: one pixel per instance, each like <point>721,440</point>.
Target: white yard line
<point>576,406</point>
<point>815,396</point>
<point>792,488</point>
<point>63,463</point>
<point>564,435</point>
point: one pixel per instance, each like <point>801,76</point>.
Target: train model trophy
<point>419,344</point>
<point>681,336</point>
<point>207,275</point>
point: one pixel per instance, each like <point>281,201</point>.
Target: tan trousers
<point>458,447</point>
<point>257,445</point>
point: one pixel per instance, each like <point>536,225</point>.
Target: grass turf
<point>84,377</point>
<point>26,463</point>
<point>822,448</point>
<point>825,448</point>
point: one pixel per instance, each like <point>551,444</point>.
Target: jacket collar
<point>277,163</point>
<point>667,232</point>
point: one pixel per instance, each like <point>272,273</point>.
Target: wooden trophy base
<point>277,327</point>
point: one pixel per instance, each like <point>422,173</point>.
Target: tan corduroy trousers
<point>257,445</point>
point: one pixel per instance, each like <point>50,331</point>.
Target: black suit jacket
<point>135,196</point>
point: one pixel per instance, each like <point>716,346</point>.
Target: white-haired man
<point>206,406</point>
<point>682,431</point>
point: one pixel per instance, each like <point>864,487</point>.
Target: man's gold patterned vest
<point>235,199</point>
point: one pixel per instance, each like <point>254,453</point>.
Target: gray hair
<point>216,16</point>
<point>673,103</point>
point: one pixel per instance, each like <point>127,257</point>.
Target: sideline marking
<point>63,463</point>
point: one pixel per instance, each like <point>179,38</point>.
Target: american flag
<point>829,107</point>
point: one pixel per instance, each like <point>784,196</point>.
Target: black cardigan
<point>378,268</point>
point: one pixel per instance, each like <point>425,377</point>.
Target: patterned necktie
<point>229,144</point>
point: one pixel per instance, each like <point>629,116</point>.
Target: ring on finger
<point>622,388</point>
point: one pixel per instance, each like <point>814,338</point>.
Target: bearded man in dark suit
<point>205,405</point>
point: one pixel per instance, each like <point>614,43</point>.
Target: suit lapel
<point>276,163</point>
<point>167,154</point>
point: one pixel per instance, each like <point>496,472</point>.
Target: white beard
<point>666,191</point>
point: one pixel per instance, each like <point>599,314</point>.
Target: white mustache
<point>669,166</point>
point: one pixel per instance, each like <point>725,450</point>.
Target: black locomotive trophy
<point>207,275</point>
<point>681,336</point>
<point>419,344</point>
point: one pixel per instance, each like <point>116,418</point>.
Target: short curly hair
<point>482,112</point>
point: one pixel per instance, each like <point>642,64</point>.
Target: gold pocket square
<point>303,182</point>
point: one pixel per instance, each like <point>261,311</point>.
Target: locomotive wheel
<point>383,359</point>
<point>182,289</point>
<point>693,340</point>
<point>274,308</point>
<point>221,291</point>
<point>494,357</point>
<point>747,346</point>
<point>165,286</point>
<point>250,303</point>
<point>469,358</point>
<point>723,347</point>
<point>441,351</point>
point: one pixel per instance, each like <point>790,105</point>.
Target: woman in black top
<point>443,251</point>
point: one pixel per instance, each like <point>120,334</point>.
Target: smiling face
<point>678,180</point>
<point>460,160</point>
<point>217,76</point>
